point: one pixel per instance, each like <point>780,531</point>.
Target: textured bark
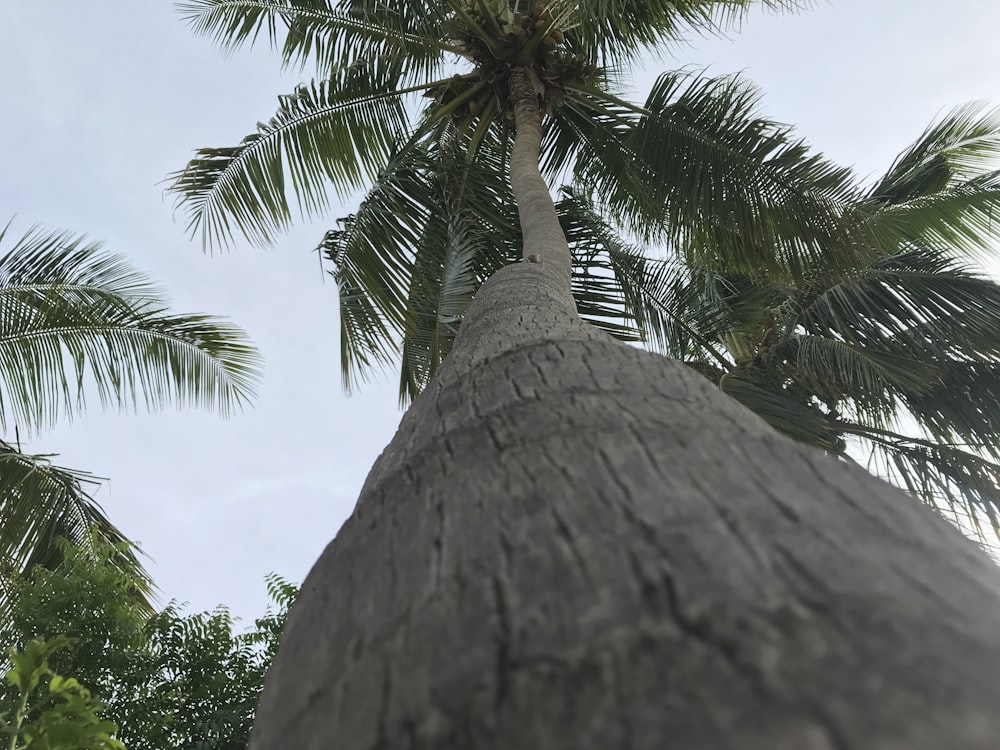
<point>543,237</point>
<point>575,544</point>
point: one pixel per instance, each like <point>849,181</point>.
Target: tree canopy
<point>413,105</point>
<point>900,348</point>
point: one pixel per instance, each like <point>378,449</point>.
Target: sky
<point>103,99</point>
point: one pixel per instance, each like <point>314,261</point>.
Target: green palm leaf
<point>444,280</point>
<point>962,217</point>
<point>959,147</point>
<point>801,421</point>
<point>944,190</point>
<point>961,407</point>
<point>403,268</point>
<point>836,370</point>
<point>73,317</point>
<point>332,34</point>
<point>622,291</point>
<point>339,132</point>
<point>699,169</point>
<point>920,302</point>
<point>41,503</point>
<point>615,32</point>
<point>944,476</point>
<point>600,296</point>
<point>371,315</point>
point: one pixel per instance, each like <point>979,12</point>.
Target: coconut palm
<point>78,324</point>
<point>441,218</point>
<point>570,542</point>
<point>933,208</point>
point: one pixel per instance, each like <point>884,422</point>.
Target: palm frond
<point>767,399</point>
<point>444,280</point>
<point>392,257</point>
<point>41,503</point>
<point>673,309</point>
<point>73,317</point>
<point>615,32</point>
<point>871,378</point>
<point>959,147</point>
<point>371,297</point>
<point>946,477</point>
<point>600,296</point>
<point>961,216</point>
<point>961,407</point>
<point>338,133</point>
<point>700,170</point>
<point>920,302</point>
<point>331,34</point>
<point>469,232</point>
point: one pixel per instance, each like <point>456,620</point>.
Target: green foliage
<point>61,715</point>
<point>43,502</point>
<point>898,348</point>
<point>167,680</point>
<point>72,315</point>
<point>695,165</point>
<point>77,321</point>
<point>92,595</point>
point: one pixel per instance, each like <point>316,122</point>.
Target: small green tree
<point>52,712</point>
<point>167,680</point>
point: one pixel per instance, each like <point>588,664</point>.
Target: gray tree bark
<point>575,544</point>
<point>543,236</point>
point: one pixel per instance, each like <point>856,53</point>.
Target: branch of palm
<point>73,320</point>
<point>899,345</point>
<point>73,317</point>
<point>910,337</point>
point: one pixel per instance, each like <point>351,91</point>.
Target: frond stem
<point>701,340</point>
<point>473,24</point>
<point>886,437</point>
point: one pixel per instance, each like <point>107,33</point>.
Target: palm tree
<point>937,199</point>
<point>408,310</point>
<point>569,542</point>
<point>78,323</point>
<point>357,125</point>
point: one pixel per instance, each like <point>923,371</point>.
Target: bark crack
<point>503,639</point>
<point>698,631</point>
<point>439,537</point>
<point>383,733</point>
<point>504,628</point>
<point>568,538</point>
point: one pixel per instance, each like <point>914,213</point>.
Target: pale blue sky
<point>103,99</point>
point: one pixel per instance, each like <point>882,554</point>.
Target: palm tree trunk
<point>544,240</point>
<point>573,544</point>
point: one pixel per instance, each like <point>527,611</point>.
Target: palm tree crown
<point>695,163</point>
